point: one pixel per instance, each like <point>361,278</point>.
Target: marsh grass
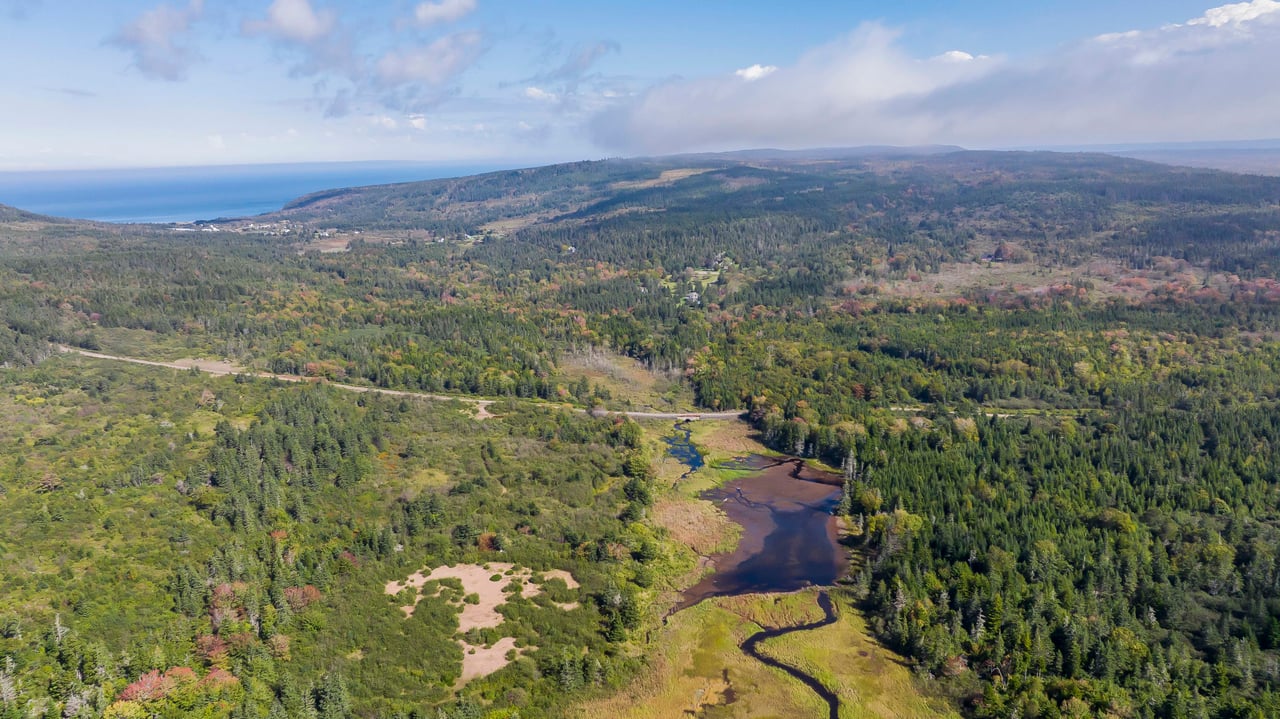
<point>697,666</point>
<point>870,679</point>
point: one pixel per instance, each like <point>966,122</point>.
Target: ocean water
<point>187,194</point>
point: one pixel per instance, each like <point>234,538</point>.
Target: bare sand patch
<point>476,579</point>
<point>485,586</point>
<point>482,661</point>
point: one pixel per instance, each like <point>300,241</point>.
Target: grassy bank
<point>696,667</point>
<point>870,680</point>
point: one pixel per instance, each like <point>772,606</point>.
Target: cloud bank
<point>1207,78</point>
<point>158,40</point>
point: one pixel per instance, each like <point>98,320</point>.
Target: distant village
<point>327,239</point>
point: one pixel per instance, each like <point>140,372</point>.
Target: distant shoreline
<point>190,194</point>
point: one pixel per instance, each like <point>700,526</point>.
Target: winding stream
<point>682,448</point>
<point>749,648</point>
<point>789,542</point>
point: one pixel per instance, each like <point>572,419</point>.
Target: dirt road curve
<point>221,369</point>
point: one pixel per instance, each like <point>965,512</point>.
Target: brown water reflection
<point>789,537</point>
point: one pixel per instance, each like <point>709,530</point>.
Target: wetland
<point>789,542</point>
<point>789,535</point>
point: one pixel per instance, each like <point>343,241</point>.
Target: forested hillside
<point>1052,382</point>
<point>179,546</point>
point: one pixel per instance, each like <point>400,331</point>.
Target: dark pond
<point>789,538</point>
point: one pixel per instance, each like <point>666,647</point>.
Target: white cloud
<point>537,93</point>
<point>418,122</point>
<point>1203,79</point>
<point>431,13</point>
<point>157,40</point>
<point>433,64</point>
<point>1118,36</point>
<point>293,20</point>
<point>755,72</point>
<point>830,91</point>
<point>1220,30</point>
<point>1237,13</point>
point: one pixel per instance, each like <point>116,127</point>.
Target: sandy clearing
<point>482,661</point>
<point>479,580</point>
<point>476,579</point>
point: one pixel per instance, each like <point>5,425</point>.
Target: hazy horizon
<point>149,83</point>
<point>1261,144</point>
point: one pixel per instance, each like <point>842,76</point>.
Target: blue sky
<point>184,82</point>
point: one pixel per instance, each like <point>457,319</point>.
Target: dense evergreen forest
<point>1052,382</point>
